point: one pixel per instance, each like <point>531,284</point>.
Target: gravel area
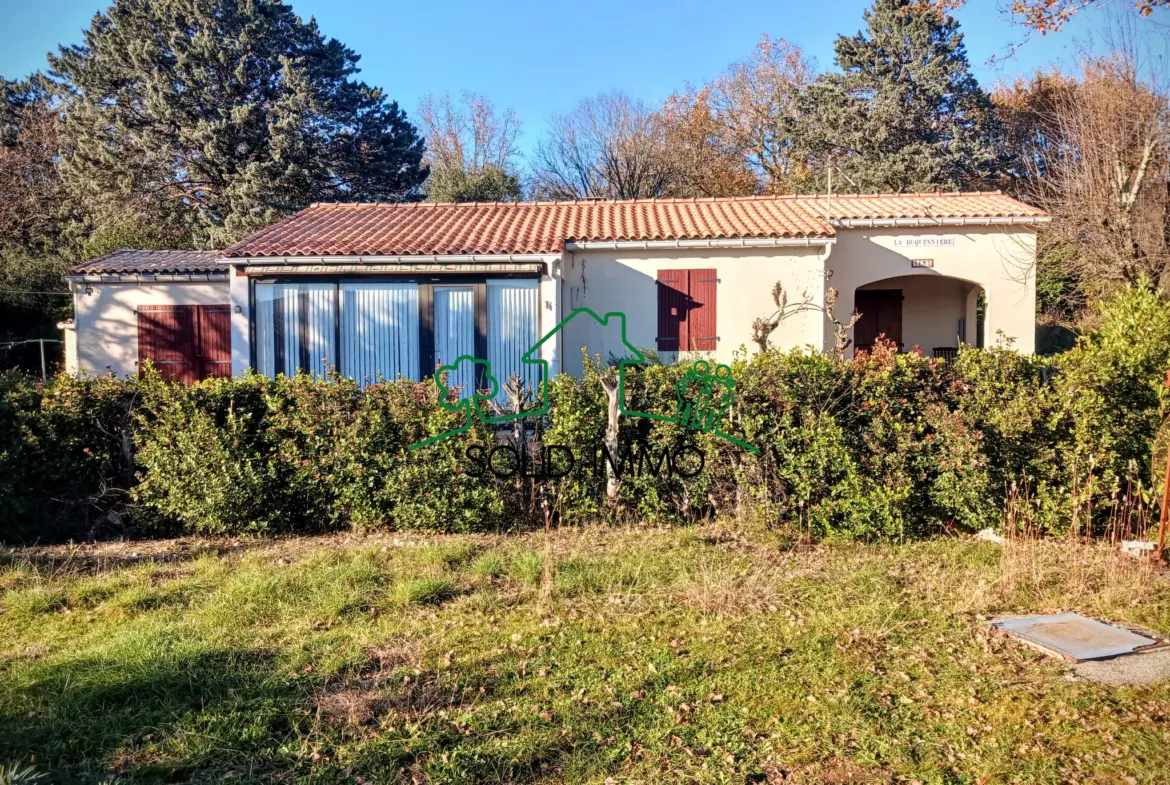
<point>1142,668</point>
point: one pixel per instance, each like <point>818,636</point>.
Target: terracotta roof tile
<point>544,227</point>
<point>974,204</point>
<point>130,261</point>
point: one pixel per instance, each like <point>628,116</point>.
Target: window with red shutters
<point>215,340</point>
<point>686,310</point>
<point>185,342</point>
<point>672,308</point>
<point>166,337</point>
<point>701,333</point>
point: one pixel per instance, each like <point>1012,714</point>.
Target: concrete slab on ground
<point>1076,637</point>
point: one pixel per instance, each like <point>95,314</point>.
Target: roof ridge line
<point>666,199</point>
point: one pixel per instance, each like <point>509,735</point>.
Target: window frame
<point>426,308</point>
<point>684,293</point>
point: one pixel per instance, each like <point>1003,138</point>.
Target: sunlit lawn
<point>684,655</point>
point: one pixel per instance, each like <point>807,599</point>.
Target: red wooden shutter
<point>672,310</point>
<point>166,337</point>
<point>701,330</point>
<point>215,340</point>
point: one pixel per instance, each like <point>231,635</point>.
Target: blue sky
<point>539,58</point>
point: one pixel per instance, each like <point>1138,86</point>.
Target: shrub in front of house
<point>66,457</point>
<point>1110,399</point>
<point>871,448</point>
<point>659,461</point>
<point>298,454</point>
<point>885,445</point>
<point>244,456</point>
<point>385,485</point>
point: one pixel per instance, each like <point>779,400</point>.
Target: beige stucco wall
<point>69,339</point>
<point>107,320</point>
<point>1000,259</point>
<point>241,321</point>
<point>624,281</point>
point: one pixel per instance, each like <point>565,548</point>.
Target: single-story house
<point>397,289</point>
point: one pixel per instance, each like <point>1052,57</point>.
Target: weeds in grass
<point>527,567</point>
<point>489,565</point>
<point>425,591</point>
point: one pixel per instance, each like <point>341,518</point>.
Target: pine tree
<point>214,117</point>
<point>905,113</point>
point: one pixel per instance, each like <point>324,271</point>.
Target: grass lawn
<point>659,655</point>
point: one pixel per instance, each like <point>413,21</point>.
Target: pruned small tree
<point>763,327</point>
<point>611,385</point>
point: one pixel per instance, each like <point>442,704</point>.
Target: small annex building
<point>388,290</point>
<point>170,307</point>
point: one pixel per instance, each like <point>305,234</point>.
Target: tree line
<point>191,123</point>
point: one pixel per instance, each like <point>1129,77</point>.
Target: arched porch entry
<point>935,313</point>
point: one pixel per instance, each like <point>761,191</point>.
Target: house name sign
<point>923,242</point>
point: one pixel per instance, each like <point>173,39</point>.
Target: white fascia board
<point>880,223</point>
<point>149,277</point>
<point>411,259</point>
<point>654,245</point>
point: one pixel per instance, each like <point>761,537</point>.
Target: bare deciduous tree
<point>471,148</point>
<point>1050,16</point>
<point>609,146</point>
<point>755,102</point>
<point>1098,161</point>
<point>705,160</point>
<point>469,133</point>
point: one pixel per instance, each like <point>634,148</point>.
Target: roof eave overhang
<point>397,259</point>
<point>926,222</point>
<point>213,276</point>
<point>739,242</point>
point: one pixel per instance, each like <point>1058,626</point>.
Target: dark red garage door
<point>186,342</point>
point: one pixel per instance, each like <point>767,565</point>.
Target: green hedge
<point>884,445</point>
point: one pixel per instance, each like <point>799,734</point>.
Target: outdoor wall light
<point>89,290</point>
<point>238,309</point>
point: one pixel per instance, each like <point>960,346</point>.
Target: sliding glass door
<point>295,328</point>
<point>512,331</point>
<point>389,329</point>
<point>455,335</point>
<point>379,331</point>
